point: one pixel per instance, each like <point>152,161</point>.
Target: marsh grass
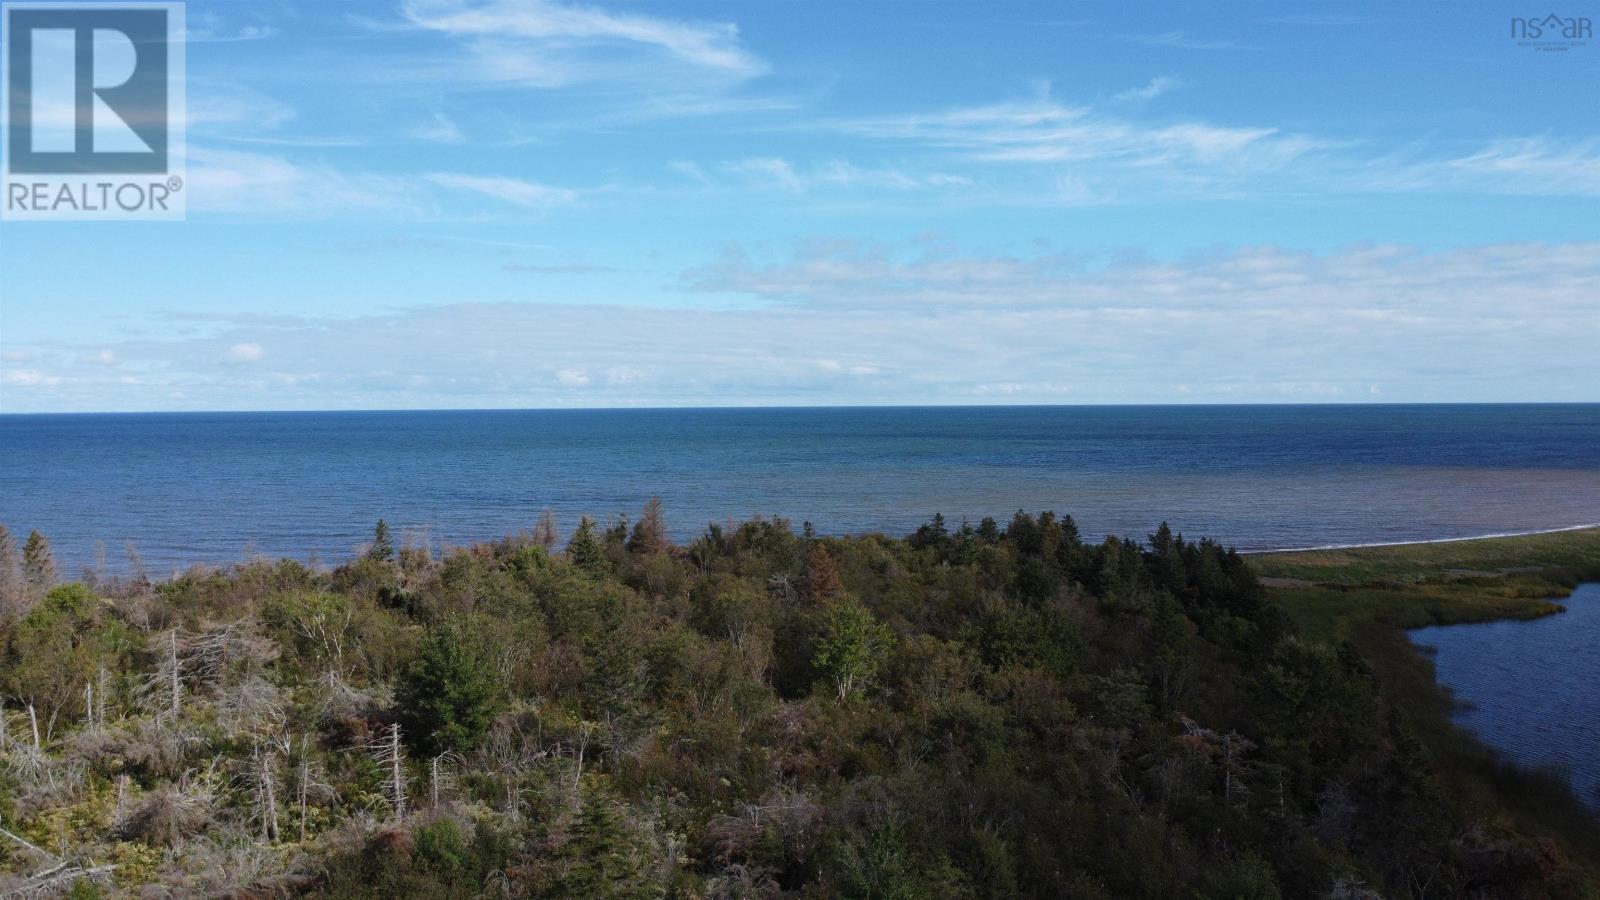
<point>1371,596</point>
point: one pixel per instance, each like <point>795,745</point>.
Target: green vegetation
<point>1366,597</point>
<point>1331,592</point>
<point>986,711</point>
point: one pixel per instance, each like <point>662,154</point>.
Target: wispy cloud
<point>1154,88</point>
<point>515,191</point>
<point>559,269</point>
<point>712,45</point>
<point>1182,41</point>
<point>877,323</point>
<point>439,129</point>
<point>1330,20</point>
<point>780,173</point>
<point>244,353</point>
<point>1111,156</point>
<point>28,378</point>
<point>1044,130</point>
<point>265,185</point>
<point>1374,281</point>
<point>547,44</point>
<point>1539,166</point>
<point>210,29</point>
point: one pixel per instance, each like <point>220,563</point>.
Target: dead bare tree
<point>308,783</point>
<point>387,752</point>
<point>439,777</point>
<point>324,626</point>
<point>164,686</point>
<point>265,793</point>
<point>212,653</point>
<point>250,704</point>
<point>52,881</point>
<point>136,571</point>
<point>339,698</point>
<point>1229,750</point>
<point>545,534</point>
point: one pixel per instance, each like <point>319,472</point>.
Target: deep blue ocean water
<point>1530,689</point>
<point>208,488</point>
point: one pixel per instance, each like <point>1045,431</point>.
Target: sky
<point>528,203</point>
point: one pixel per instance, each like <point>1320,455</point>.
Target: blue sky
<point>512,203</point>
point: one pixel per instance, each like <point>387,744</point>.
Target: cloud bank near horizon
<point>853,322</point>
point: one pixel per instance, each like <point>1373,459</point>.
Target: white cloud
<point>1389,285</point>
<point>1080,155</point>
<point>265,185</point>
<point>515,191</point>
<point>546,44</point>
<point>689,170</point>
<point>28,378</point>
<point>439,130</point>
<point>712,45</point>
<point>247,352</point>
<point>870,324</point>
<point>1108,149</point>
<point>1182,41</point>
<point>1538,166</point>
<point>780,173</point>
<point>1154,88</point>
<point>776,170</point>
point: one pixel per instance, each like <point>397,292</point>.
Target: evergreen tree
<point>38,566</point>
<point>608,855</point>
<point>617,535</point>
<point>382,543</point>
<point>989,530</point>
<point>449,694</point>
<point>584,550</point>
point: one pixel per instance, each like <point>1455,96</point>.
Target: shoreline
<point>1449,540</point>
<point>1374,597</point>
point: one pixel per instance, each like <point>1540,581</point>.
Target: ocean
<point>187,488</point>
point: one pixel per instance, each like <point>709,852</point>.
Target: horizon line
<point>799,406</point>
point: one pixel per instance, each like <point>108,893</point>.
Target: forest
<point>992,710</point>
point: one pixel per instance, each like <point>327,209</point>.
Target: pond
<point>1530,689</point>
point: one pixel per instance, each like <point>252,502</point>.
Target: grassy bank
<point>1368,596</point>
<point>1331,592</point>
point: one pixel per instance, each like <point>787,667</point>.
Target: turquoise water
<point>1530,689</point>
<point>188,488</point>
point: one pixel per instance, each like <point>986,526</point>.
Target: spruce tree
<point>448,696</point>
<point>584,550</point>
<point>38,566</point>
<point>382,543</point>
